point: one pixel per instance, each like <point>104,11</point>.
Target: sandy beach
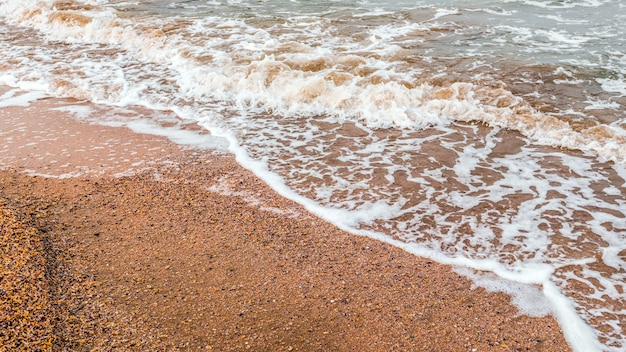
<point>167,248</point>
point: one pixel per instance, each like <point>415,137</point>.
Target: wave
<point>282,71</point>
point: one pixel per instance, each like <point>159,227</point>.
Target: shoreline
<point>193,252</point>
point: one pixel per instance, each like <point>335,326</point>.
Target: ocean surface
<point>490,135</point>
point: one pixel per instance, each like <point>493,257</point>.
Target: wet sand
<point>156,247</point>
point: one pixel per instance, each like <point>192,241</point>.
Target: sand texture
<point>195,253</point>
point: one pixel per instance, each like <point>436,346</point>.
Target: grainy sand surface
<point>192,252</point>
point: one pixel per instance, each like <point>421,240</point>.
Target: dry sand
<point>192,252</point>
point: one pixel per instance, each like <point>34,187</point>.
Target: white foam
<point>175,134</point>
<point>580,336</point>
<point>613,85</point>
<point>18,98</point>
<point>559,18</point>
<point>498,12</point>
<point>80,112</point>
<point>72,174</point>
<point>561,37</point>
<point>222,187</point>
<point>564,4</point>
<point>596,104</point>
<point>530,300</point>
<point>445,12</point>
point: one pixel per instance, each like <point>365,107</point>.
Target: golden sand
<point>192,252</point>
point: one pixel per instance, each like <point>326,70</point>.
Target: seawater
<point>490,135</point>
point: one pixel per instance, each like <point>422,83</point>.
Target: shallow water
<point>489,135</point>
